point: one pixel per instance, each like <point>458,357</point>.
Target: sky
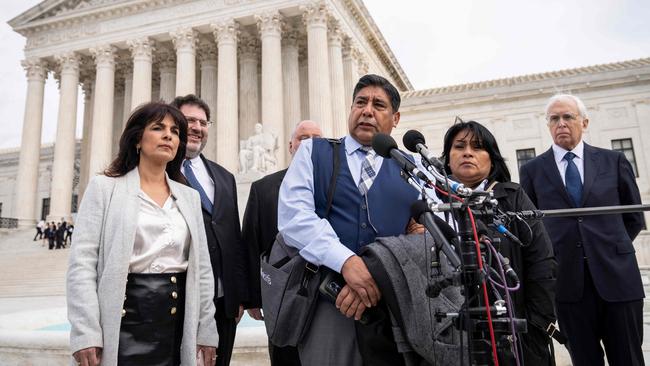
<point>437,43</point>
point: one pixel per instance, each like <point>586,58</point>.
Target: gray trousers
<point>331,339</point>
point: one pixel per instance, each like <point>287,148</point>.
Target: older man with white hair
<point>599,294</point>
<point>261,227</point>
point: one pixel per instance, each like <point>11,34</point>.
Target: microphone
<point>386,147</point>
<point>414,141</point>
<point>421,213</point>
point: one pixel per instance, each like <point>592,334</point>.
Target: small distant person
<point>68,235</point>
<point>58,235</point>
<point>50,234</point>
<point>260,229</point>
<point>599,293</point>
<point>40,226</point>
<point>139,283</point>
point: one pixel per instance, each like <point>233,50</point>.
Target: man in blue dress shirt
<point>370,200</point>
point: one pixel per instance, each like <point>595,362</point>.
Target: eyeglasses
<point>554,119</point>
<point>202,122</point>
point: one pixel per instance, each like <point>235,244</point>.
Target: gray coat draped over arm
<point>99,262</point>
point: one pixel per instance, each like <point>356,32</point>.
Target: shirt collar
<point>559,152</point>
<point>351,145</point>
<point>194,162</point>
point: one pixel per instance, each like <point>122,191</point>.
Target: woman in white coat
<point>139,285</point>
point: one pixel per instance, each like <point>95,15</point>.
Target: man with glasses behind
<point>218,192</point>
<point>599,294</point>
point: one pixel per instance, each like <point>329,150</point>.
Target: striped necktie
<point>191,179</point>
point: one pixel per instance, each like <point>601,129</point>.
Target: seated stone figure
<point>257,153</point>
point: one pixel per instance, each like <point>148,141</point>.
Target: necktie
<point>367,170</point>
<point>191,179</point>
<point>572,179</point>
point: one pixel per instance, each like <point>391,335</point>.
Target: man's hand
<point>359,279</point>
<point>414,228</point>
<point>349,303</point>
<point>91,356</point>
<point>241,312</point>
<point>255,313</point>
<point>209,354</point>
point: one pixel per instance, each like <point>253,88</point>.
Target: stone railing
<point>8,223</point>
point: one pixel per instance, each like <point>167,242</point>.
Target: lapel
<point>213,175</point>
<point>590,156</point>
<point>184,207</point>
<point>553,175</point>
<point>131,209</point>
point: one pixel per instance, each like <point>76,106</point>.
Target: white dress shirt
<point>162,238</point>
<point>201,173</point>
<point>579,160</point>
<point>297,220</point>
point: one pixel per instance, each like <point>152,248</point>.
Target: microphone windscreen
<point>411,139</point>
<point>447,230</point>
<point>383,144</point>
<point>418,208</point>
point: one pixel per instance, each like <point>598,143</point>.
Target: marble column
<point>249,112</point>
<point>350,71</point>
<point>102,131</point>
<point>339,112</point>
<point>87,87</point>
<point>304,80</point>
<point>320,98</point>
<point>64,146</point>
<point>30,145</point>
<point>290,83</point>
<point>128,89</point>
<point>167,67</point>
<point>227,96</point>
<point>270,27</point>
<point>119,120</point>
<point>208,65</point>
<point>142,52</point>
<point>184,40</point>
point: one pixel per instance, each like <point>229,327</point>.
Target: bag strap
<point>336,162</point>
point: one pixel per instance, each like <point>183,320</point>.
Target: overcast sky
<point>437,43</point>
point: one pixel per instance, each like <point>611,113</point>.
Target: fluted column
<point>290,83</point>
<point>227,96</point>
<point>249,112</point>
<point>102,132</point>
<point>30,145</point>
<point>304,80</point>
<point>167,67</point>
<point>350,70</point>
<point>87,87</point>
<point>141,51</point>
<point>320,99</point>
<point>339,112</point>
<point>128,90</point>
<point>208,62</point>
<point>185,43</point>
<point>119,119</point>
<point>64,146</point>
<point>270,27</point>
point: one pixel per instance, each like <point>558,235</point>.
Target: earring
<point>137,150</point>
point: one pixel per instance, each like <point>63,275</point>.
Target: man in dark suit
<point>260,229</point>
<point>218,192</point>
<point>599,295</point>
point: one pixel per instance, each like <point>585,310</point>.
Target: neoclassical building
<point>274,62</point>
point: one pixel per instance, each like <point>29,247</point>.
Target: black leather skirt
<point>152,320</point>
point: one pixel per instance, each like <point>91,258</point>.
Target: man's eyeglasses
<point>554,119</point>
<point>202,122</point>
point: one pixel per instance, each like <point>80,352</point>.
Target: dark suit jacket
<point>261,227</point>
<point>227,254</point>
<point>605,240</point>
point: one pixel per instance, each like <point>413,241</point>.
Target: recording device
<point>386,147</point>
<point>330,287</point>
<point>421,213</point>
<point>414,141</point>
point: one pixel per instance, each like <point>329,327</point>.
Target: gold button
<point>123,313</point>
<point>174,295</point>
<point>173,311</point>
<point>173,279</point>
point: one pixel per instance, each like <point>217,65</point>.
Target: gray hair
<point>558,97</point>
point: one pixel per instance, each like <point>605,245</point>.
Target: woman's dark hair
<point>482,137</point>
<point>128,156</point>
